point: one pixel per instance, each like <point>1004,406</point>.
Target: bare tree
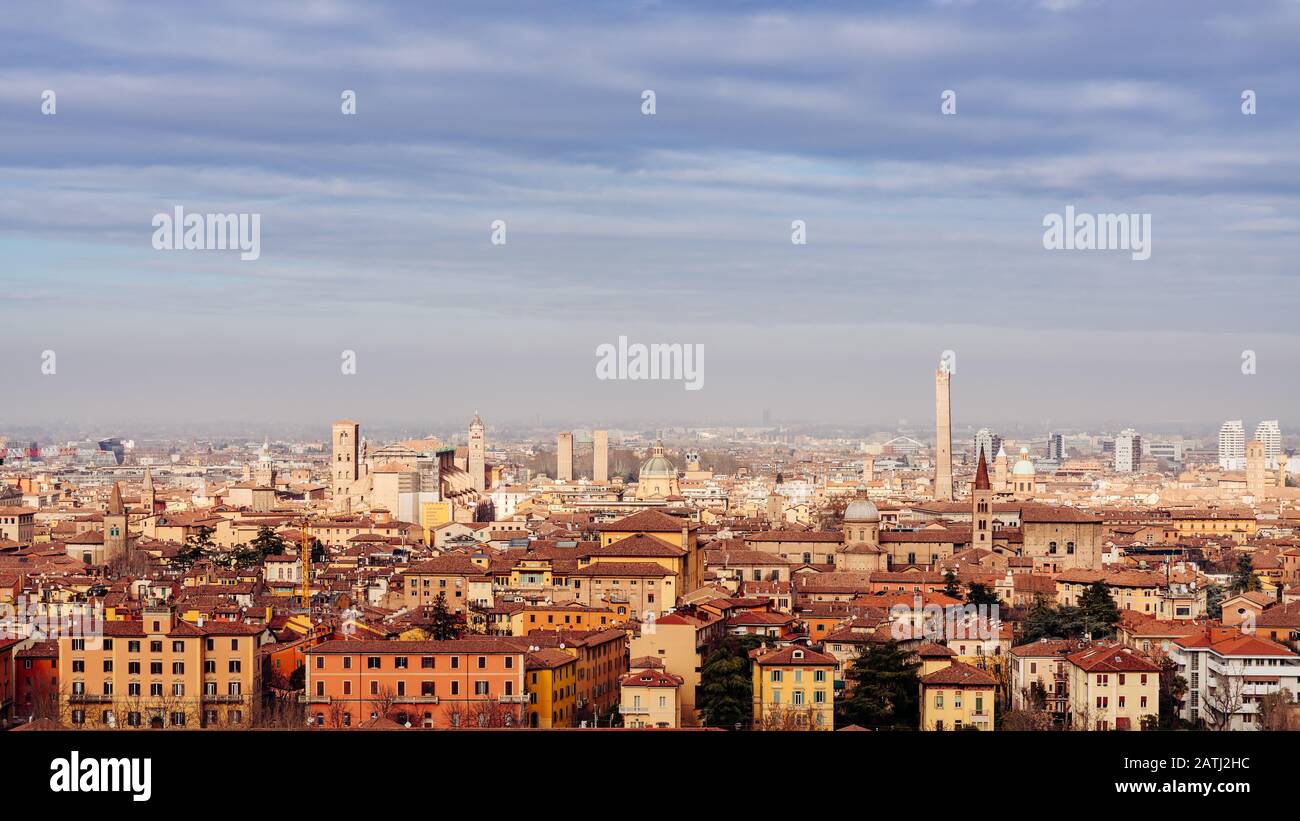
<point>382,701</point>
<point>1278,711</point>
<point>1225,700</point>
<point>786,719</point>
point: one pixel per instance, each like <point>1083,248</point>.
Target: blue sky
<point>924,230</point>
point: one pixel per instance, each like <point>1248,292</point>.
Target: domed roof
<point>658,464</point>
<point>861,510</point>
<point>1023,467</point>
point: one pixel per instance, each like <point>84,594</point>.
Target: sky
<point>924,229</point>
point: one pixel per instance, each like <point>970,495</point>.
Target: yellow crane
<point>304,556</point>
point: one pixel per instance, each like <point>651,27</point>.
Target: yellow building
<point>649,698</point>
<point>161,672</point>
<point>1112,687</point>
<point>793,689</point>
<point>572,616</point>
<point>687,563</point>
<point>956,696</point>
<point>1239,525</point>
<point>675,641</point>
<point>550,682</point>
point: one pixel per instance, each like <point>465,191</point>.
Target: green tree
<point>1043,621</point>
<point>318,552</point>
<point>244,556</point>
<point>950,586</point>
<point>978,594</point>
<point>883,689</point>
<point>1214,596</point>
<point>268,542</point>
<point>1097,613</point>
<point>1172,689</point>
<point>443,625</point>
<point>198,546</point>
<point>726,691</point>
<point>1244,579</point>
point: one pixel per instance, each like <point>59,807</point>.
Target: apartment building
<point>793,689</point>
<point>1112,687</point>
<point>160,672</point>
<point>1229,672</point>
<point>475,682</point>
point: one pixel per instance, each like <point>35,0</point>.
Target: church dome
<point>1023,467</point>
<point>658,465</point>
<point>861,510</point>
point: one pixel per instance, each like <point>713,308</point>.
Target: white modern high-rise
<point>1270,434</point>
<point>1128,451</point>
<point>1232,445</point>
<point>989,442</point>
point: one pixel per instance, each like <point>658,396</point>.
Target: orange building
<point>36,681</point>
<point>460,683</point>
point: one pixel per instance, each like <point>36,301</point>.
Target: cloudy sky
<point>924,230</point>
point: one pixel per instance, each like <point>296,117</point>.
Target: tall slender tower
<point>116,537</point>
<point>981,520</point>
<point>600,456</point>
<point>943,434</point>
<point>477,454</point>
<point>344,465</point>
<point>148,498</point>
<point>1000,471</point>
<point>1255,467</point>
<point>564,457</point>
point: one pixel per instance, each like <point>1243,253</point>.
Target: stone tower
<point>1255,468</point>
<point>346,458</point>
<point>149,501</point>
<point>116,535</point>
<point>981,520</point>
<point>477,454</point>
<point>148,497</point>
<point>600,456</point>
<point>564,457</point>
<point>942,434</point>
<point>1000,471</point>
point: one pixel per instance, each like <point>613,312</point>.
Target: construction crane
<point>304,556</point>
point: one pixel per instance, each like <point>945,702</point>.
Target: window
<point>372,662</point>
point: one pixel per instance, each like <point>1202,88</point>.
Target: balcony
<point>519,699</point>
<point>633,711</point>
<point>223,698</point>
<point>303,698</point>
<point>415,700</point>
<point>88,698</point>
